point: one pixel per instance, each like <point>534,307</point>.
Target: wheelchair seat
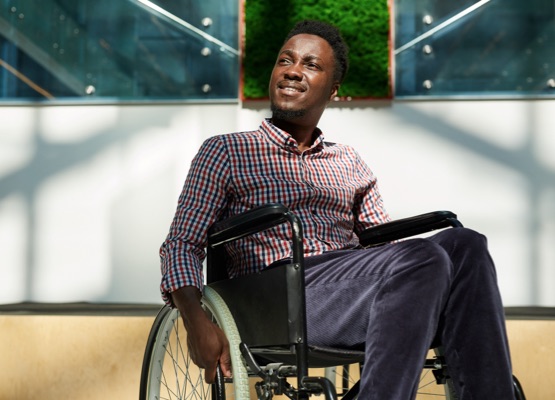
<point>256,303</point>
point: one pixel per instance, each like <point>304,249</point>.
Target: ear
<point>334,90</point>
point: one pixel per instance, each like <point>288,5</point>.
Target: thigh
<point>338,297</point>
<point>341,287</point>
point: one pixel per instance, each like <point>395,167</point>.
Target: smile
<point>293,88</point>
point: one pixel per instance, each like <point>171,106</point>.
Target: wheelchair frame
<point>282,344</point>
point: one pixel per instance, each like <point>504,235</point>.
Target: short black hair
<point>331,35</point>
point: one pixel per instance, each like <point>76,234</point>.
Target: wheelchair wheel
<point>169,373</point>
<point>428,388</point>
<point>347,376</point>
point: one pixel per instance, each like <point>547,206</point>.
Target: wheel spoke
<point>169,373</point>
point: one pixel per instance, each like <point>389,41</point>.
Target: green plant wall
<point>364,25</point>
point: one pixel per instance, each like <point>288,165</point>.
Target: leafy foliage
<point>364,25</point>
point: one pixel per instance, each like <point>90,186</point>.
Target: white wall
<point>87,193</point>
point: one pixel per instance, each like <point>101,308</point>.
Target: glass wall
<point>150,50</point>
<point>124,50</point>
<point>465,48</point>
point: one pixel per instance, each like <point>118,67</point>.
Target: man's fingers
<point>225,362</point>
<point>210,373</point>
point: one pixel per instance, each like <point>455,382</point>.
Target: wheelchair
<point>263,317</point>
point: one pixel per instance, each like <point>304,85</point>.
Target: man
<point>393,300</point>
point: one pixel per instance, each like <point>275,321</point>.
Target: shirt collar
<point>285,140</point>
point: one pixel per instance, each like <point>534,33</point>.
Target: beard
<point>286,115</point>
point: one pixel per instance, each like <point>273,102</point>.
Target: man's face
<point>302,81</point>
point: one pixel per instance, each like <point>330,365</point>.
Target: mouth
<point>291,87</point>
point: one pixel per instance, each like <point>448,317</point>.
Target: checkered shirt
<point>328,187</point>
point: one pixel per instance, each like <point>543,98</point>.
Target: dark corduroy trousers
<point>395,300</point>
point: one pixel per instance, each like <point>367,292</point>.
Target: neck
<point>303,134</point>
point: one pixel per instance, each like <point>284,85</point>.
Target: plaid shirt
<point>328,187</point>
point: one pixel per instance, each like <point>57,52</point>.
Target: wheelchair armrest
<point>247,223</point>
<point>256,220</point>
<point>406,227</point>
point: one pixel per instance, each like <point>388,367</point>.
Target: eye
<point>312,65</point>
<point>283,61</point>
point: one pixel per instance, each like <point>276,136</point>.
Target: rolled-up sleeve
<point>202,201</point>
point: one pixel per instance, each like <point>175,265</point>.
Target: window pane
<point>497,48</point>
<point>124,49</point>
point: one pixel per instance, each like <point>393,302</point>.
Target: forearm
<point>188,301</point>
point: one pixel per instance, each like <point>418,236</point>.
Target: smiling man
<point>304,79</point>
<point>393,301</point>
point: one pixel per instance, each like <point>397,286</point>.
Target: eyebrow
<point>307,57</point>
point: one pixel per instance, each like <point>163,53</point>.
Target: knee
<point>427,257</point>
<point>467,249</point>
<point>462,239</point>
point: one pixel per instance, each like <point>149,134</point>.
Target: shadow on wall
<point>95,206</point>
<point>522,159</point>
<point>98,193</point>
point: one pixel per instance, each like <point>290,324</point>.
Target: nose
<point>293,72</point>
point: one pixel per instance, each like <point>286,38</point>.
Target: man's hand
<point>208,346</point>
<point>207,343</point>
